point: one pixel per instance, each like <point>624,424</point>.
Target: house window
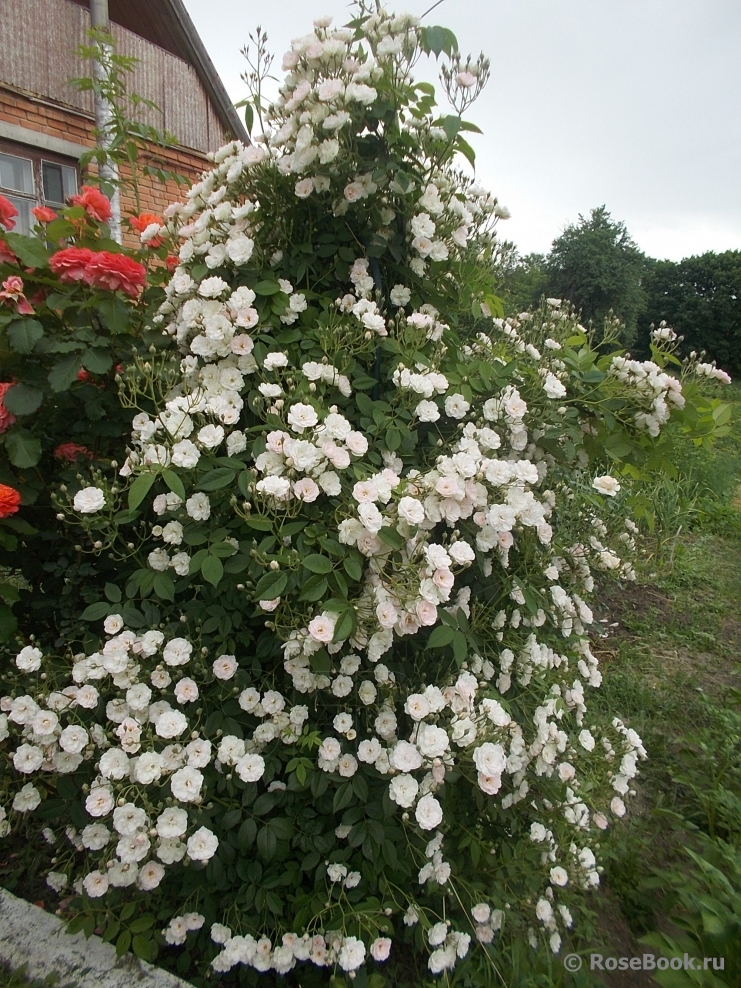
<point>31,178</point>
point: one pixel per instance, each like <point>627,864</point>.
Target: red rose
<point>70,264</point>
<point>143,220</point>
<point>93,202</point>
<point>83,375</point>
<point>13,292</point>
<point>171,262</point>
<point>10,500</point>
<point>114,272</point>
<point>6,254</point>
<point>44,214</point>
<point>8,212</point>
<point>70,452</point>
<point>6,418</point>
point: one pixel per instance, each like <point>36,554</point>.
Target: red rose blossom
<point>6,254</point>
<point>143,220</point>
<point>84,375</point>
<point>171,262</point>
<point>10,500</point>
<point>95,204</point>
<point>44,214</point>
<point>114,272</point>
<point>6,417</point>
<point>13,293</point>
<point>70,452</point>
<point>70,264</point>
<point>8,212</point>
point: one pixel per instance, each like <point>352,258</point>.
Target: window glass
<point>16,174</point>
<point>59,181</point>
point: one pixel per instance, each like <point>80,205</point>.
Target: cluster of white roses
<point>420,532</point>
<point>657,390</point>
<point>329,81</point>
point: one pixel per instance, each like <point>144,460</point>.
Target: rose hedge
<point>337,714</point>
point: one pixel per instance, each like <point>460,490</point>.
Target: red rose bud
<point>8,212</point>
<point>44,214</point>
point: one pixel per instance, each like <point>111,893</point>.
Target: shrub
<point>339,701</point>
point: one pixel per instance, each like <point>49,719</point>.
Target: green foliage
<point>700,298</point>
<point>597,266</point>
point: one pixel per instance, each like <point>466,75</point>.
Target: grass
<point>672,671</point>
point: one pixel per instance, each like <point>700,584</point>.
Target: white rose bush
<point>331,719</point>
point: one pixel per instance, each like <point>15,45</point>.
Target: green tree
<point>700,297</point>
<point>524,280</point>
<point>598,267</point>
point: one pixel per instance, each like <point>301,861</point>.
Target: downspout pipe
<point>99,21</point>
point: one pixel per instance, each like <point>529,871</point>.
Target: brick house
<point>46,125</point>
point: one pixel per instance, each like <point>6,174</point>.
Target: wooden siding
<point>31,62</point>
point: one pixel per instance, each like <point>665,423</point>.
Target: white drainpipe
<point>103,115</point>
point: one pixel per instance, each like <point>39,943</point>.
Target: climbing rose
<point>44,214</point>
<point>7,213</point>
<point>114,272</point>
<point>13,292</point>
<point>143,220</point>
<point>10,501</point>
<point>95,204</point>
<point>70,452</point>
<point>6,418</point>
<point>6,254</point>
<point>70,264</point>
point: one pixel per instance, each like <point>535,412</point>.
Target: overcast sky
<point>632,103</point>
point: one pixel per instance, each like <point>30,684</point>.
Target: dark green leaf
<point>212,569</point>
<point>140,488</point>
<point>24,334</point>
<point>97,360</point>
<point>441,636</point>
<point>344,626</point>
<point>271,585</point>
<point>94,612</point>
<point>22,399</point>
<point>317,564</point>
<point>24,450</point>
<point>144,947</point>
<point>216,479</point>
<point>266,288</point>
<point>353,567</point>
<point>64,372</point>
<point>112,593</point>
<point>30,250</point>
<point>174,483</point>
<point>115,314</point>
<point>164,587</point>
<point>266,843</point>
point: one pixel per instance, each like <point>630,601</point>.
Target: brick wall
<point>57,121</point>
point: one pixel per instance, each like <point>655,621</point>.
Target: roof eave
<point>205,68</point>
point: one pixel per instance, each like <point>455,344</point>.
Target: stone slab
<point>31,936</point>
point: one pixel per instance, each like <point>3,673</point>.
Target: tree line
<point>597,266</point>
